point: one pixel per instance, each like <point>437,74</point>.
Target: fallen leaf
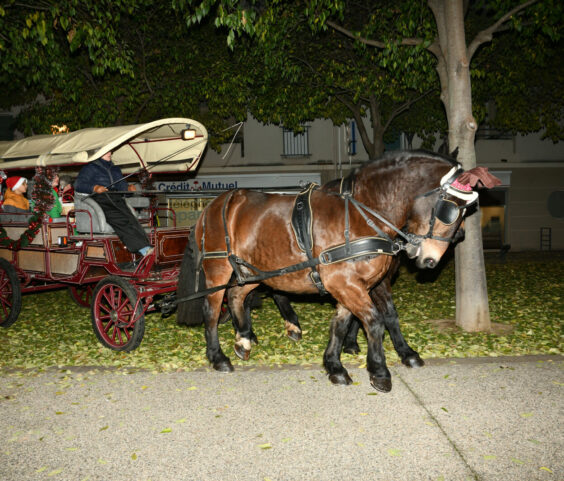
<point>59,470</point>
<point>526,415</point>
<point>166,430</point>
<point>544,468</point>
<point>265,446</point>
<point>394,452</point>
<point>134,456</point>
<point>103,428</point>
<point>489,457</point>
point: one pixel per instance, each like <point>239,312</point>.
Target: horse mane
<point>396,157</point>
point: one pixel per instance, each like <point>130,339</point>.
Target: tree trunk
<point>472,310</point>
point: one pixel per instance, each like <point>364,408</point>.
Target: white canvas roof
<point>157,145</point>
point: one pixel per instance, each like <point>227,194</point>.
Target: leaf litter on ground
<point>526,296</point>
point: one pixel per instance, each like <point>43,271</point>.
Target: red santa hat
<point>15,182</point>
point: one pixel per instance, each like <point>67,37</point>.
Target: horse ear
<point>454,153</point>
<point>479,175</point>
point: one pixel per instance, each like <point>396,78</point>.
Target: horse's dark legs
<point>241,312</point>
<point>380,376</point>
<point>293,328</point>
<point>212,309</point>
<point>332,356</point>
<point>250,301</point>
<point>408,356</point>
<point>350,344</point>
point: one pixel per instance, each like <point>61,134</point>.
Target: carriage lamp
<point>63,241</point>
<point>187,134</point>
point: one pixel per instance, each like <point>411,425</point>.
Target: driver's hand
<point>131,188</point>
<point>98,189</point>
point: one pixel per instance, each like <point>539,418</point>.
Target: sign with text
<point>247,181</point>
<point>188,209</point>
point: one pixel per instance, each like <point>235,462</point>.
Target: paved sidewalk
<point>484,419</point>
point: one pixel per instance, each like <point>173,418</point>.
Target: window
<point>295,144</point>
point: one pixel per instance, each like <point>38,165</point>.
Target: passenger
<point>57,209</point>
<point>66,190</point>
<point>97,178</point>
<point>15,200</point>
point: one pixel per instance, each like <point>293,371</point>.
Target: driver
<point>98,178</point>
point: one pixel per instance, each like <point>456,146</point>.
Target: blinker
<point>447,211</point>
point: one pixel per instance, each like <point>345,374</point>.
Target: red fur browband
<point>476,176</point>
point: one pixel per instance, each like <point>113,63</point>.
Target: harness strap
<point>366,246</point>
<point>302,225</point>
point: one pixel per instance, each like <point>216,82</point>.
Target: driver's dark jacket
<point>99,172</point>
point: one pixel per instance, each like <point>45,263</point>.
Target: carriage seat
<point>99,225</point>
<point>8,217</point>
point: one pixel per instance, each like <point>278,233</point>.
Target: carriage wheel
<point>113,305</point>
<point>82,295</point>
<point>10,294</point>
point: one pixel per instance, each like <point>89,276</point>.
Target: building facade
<point>526,212</point>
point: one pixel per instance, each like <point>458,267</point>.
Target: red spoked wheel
<point>114,314</point>
<point>10,294</point>
<point>82,295</point>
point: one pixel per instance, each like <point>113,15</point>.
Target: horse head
<point>438,213</point>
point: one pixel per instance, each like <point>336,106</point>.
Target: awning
<point>157,145</point>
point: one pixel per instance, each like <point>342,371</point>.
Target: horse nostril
<point>429,262</point>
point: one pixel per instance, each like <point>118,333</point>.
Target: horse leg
<point>408,356</point>
<point>382,297</point>
<point>250,301</point>
<point>212,309</point>
<point>380,376</point>
<point>332,356</point>
<point>350,344</point>
<point>362,306</point>
<point>293,328</point>
<point>241,312</point>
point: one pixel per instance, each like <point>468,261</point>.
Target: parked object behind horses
<point>408,201</point>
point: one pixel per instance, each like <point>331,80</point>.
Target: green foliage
<point>52,331</point>
<point>104,62</point>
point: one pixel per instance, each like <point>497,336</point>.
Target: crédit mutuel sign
<point>188,198</point>
<point>246,181</point>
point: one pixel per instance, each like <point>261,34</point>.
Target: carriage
<point>80,251</point>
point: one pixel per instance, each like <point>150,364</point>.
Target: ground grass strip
<point>524,296</point>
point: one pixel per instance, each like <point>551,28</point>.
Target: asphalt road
<point>474,419</point>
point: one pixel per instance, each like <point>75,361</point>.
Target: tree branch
<point>367,41</point>
<point>486,35</point>
<point>406,106</point>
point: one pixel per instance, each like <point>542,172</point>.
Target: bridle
<point>446,211</point>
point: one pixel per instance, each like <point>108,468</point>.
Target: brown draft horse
<point>412,201</point>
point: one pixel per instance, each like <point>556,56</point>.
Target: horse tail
<point>192,279</point>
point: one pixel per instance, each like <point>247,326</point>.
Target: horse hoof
<point>295,336</point>
<point>340,378</point>
<point>382,384</point>
<point>223,366</point>
<point>241,352</point>
<point>413,361</point>
<point>353,349</point>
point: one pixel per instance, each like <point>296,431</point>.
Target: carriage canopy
<point>166,145</point>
